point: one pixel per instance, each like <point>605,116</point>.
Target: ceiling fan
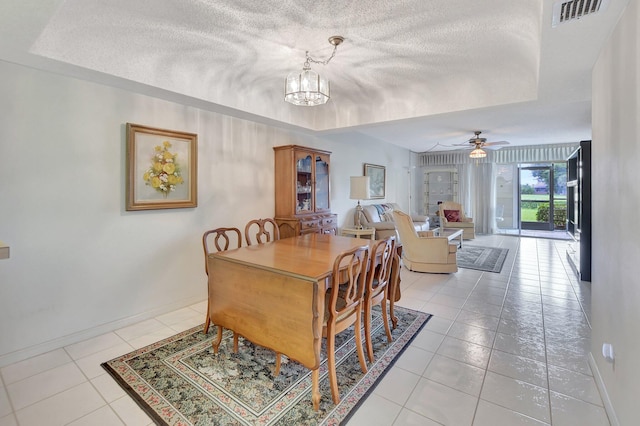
<point>477,143</point>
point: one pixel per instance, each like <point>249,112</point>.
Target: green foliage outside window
<point>559,214</point>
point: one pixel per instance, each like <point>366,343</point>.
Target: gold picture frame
<point>377,180</point>
<point>162,168</point>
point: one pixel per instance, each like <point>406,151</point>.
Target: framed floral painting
<point>377,176</point>
<point>161,168</point>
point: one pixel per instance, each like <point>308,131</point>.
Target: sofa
<point>380,217</point>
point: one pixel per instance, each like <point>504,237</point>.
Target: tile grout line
<point>486,370</point>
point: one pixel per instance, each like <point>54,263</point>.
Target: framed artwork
<point>161,168</point>
<point>377,175</point>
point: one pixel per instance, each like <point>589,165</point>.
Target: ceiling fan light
<point>477,153</point>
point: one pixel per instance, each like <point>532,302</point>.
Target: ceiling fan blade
<point>496,143</point>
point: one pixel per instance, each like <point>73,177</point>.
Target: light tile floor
<point>501,349</point>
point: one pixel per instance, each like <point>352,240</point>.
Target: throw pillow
<point>452,215</point>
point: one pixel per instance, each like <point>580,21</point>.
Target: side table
<point>371,232</point>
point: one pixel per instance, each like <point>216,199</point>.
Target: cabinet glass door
<point>440,185</point>
<point>304,183</point>
<point>322,183</point>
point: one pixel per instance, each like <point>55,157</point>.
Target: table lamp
<point>359,191</point>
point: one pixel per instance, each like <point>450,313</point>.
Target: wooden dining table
<point>273,294</point>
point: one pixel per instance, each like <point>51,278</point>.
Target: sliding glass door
<point>543,196</point>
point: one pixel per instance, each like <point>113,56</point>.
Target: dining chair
<point>266,230</point>
<point>343,307</point>
<point>377,287</point>
<point>213,241</point>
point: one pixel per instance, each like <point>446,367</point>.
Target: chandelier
<point>308,88</point>
<point>477,153</point>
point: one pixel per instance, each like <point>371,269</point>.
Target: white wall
<point>80,264</point>
<point>616,204</point>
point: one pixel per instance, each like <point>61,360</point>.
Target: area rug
<point>489,259</point>
<point>179,381</point>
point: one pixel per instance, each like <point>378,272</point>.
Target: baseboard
<point>608,407</point>
<point>60,342</point>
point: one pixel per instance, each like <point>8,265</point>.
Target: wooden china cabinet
<point>302,191</point>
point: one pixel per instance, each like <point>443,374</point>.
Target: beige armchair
<point>452,217</point>
<point>423,252</point>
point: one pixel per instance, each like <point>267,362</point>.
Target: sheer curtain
<point>477,194</point>
<point>484,178</point>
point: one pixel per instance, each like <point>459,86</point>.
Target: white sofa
<point>380,217</point>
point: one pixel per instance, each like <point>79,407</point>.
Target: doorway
<point>542,198</point>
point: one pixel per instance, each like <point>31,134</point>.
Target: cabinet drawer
<point>329,221</point>
<point>309,225</point>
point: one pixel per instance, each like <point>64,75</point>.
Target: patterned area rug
<point>179,381</point>
<point>489,259</point>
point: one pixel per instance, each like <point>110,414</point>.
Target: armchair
<point>423,252</point>
<point>452,217</point>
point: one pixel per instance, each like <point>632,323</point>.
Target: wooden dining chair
<point>213,241</point>
<point>377,287</point>
<point>266,230</point>
<point>343,307</point>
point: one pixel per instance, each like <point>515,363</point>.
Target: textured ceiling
<point>423,74</point>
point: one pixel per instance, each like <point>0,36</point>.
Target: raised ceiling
<point>422,74</point>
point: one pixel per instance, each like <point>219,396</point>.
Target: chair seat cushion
<point>340,304</point>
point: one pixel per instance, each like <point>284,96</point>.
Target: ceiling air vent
<point>571,10</point>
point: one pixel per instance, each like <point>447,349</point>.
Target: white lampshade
<point>359,188</point>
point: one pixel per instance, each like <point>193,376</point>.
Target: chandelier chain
<point>325,62</point>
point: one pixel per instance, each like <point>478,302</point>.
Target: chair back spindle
<point>220,239</point>
<point>266,230</point>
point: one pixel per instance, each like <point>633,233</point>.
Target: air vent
<point>566,11</point>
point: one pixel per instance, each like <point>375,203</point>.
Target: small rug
<point>179,381</point>
<point>489,259</point>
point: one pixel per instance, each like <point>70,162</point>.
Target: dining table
<point>273,294</point>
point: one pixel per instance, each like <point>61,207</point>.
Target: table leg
<point>394,288</point>
<point>315,388</point>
